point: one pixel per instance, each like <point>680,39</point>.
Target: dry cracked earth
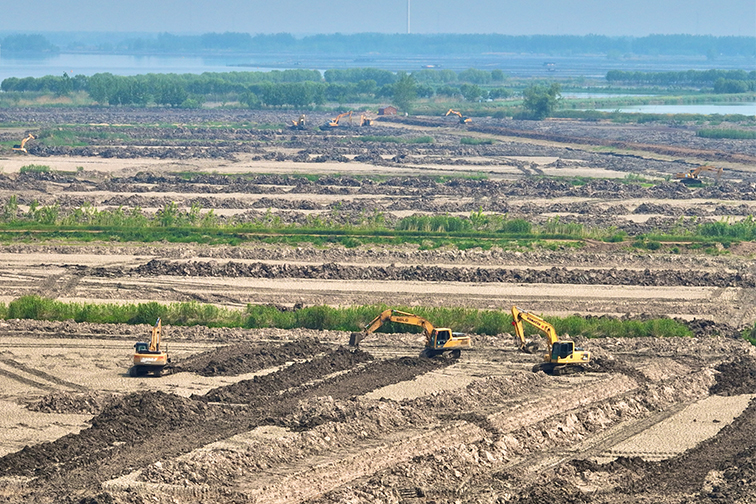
<point>272,415</point>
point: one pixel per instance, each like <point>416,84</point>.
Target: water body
<point>515,65</point>
<point>748,109</point>
<point>90,64</point>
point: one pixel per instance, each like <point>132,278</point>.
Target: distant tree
<point>497,76</point>
<point>540,101</point>
<point>471,92</point>
<point>450,91</point>
<point>424,91</point>
<point>28,44</point>
<point>405,92</point>
<point>497,93</point>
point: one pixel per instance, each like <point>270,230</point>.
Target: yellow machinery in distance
<point>691,177</point>
<point>336,121</point>
<point>22,146</point>
<point>437,339</point>
<point>462,119</point>
<point>299,124</point>
<point>365,121</point>
<point>149,357</point>
<point>561,357</point>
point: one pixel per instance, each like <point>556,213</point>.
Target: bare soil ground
<point>294,416</point>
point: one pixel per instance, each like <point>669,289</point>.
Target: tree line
<point>723,81</point>
<point>432,44</point>
<point>295,88</point>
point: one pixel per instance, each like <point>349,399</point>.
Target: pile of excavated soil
<point>334,271</point>
<point>736,377</point>
<point>85,403</point>
<point>260,388</point>
<point>248,357</point>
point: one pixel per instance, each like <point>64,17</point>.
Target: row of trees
<point>438,44</point>
<point>296,88</point>
<point>687,78</point>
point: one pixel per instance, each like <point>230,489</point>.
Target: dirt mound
<point>127,421</point>
<point>248,357</point>
<point>736,377</point>
<point>257,389</point>
<point>601,365</point>
<point>335,271</point>
<point>83,403</point>
<point>558,491</point>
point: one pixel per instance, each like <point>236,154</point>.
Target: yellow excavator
<point>299,124</point>
<point>365,121</point>
<point>149,357</point>
<point>691,177</point>
<point>22,146</point>
<point>561,357</point>
<point>336,121</point>
<point>437,339</point>
<point>462,119</point>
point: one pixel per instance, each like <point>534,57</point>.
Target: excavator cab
<point>142,347</point>
<point>440,337</point>
<point>562,350</point>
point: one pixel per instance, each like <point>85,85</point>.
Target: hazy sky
<point>512,17</point>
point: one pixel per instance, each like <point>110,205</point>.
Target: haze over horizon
<point>536,17</point>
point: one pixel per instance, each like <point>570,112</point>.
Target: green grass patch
<point>476,141</point>
<point>468,320</point>
<point>34,168</point>
<point>734,134</point>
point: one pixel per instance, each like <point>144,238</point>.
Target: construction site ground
<point>272,415</point>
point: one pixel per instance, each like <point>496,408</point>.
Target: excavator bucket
<point>355,338</point>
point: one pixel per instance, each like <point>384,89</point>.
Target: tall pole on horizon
<point>408,17</point>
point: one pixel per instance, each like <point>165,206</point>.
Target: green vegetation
<point>727,133</point>
<point>413,44</point>
<point>480,229</point>
<point>540,101</point>
<point>723,81</point>
<point>467,320</point>
<point>33,168</point>
<point>476,141</point>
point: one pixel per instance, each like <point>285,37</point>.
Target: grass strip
<point>469,320</point>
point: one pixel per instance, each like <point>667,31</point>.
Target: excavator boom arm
<point>518,316</point>
<point>155,339</point>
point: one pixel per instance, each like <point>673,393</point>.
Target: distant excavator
<point>365,121</point>
<point>336,121</point>
<point>299,124</point>
<point>691,177</point>
<point>561,357</point>
<point>437,339</point>
<point>462,119</point>
<point>22,147</point>
<point>149,357</point>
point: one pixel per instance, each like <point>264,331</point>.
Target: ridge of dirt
<point>247,357</point>
<point>123,434</point>
<point>736,377</point>
<point>83,403</point>
<point>335,271</point>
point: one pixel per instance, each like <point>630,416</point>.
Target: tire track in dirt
<point>124,434</point>
<point>41,374</point>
